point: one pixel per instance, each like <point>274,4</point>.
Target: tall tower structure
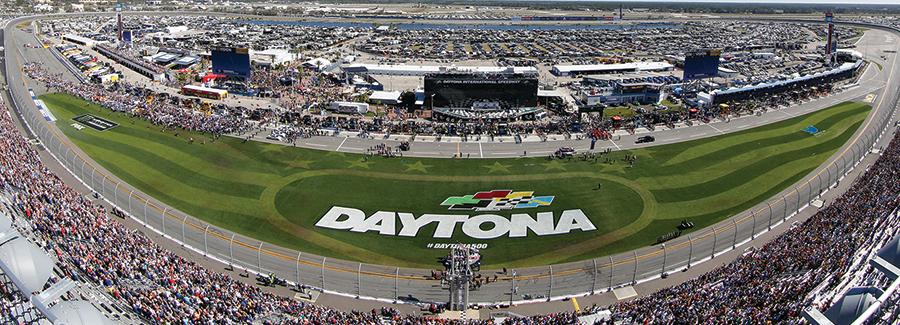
<point>459,276</point>
<point>830,45</point>
<point>119,27</point>
<point>621,17</point>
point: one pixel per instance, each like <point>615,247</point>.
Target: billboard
<point>701,64</point>
<point>127,36</point>
<point>466,90</point>
<point>231,61</point>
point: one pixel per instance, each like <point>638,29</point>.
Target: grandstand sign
<point>701,64</point>
<point>95,123</point>
<point>484,81</point>
<point>231,61</point>
<point>484,226</point>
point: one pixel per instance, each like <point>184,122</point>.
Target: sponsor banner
<point>48,116</point>
<point>97,123</point>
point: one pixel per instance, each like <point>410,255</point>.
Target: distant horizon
<point>824,2</point>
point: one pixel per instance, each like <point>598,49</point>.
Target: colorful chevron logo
<point>496,200</point>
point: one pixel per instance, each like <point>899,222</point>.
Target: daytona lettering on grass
<point>485,226</point>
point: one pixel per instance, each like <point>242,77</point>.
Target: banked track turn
<point>390,283</point>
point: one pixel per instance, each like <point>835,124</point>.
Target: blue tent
<point>811,130</point>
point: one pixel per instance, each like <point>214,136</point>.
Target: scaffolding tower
<point>459,276</point>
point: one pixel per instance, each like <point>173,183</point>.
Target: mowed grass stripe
<point>174,187</point>
<point>761,168</point>
<point>423,183</point>
<point>151,161</point>
<point>148,134</point>
<point>714,202</point>
<point>737,155</point>
<point>711,218</point>
<point>190,161</point>
<point>227,213</point>
<point>764,134</point>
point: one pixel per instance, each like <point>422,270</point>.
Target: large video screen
<point>701,65</point>
<point>462,91</point>
<point>233,62</point>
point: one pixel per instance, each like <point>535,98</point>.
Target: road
<point>390,284</point>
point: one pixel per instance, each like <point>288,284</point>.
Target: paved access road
<point>392,283</point>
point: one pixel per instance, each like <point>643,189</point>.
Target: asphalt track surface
<point>387,283</point>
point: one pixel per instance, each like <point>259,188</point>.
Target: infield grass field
<point>277,193</point>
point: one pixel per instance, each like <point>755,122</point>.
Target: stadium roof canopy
<point>163,57</point>
<point>79,39</point>
<point>887,259</point>
<point>387,97</point>
<point>25,264</point>
<point>78,313</point>
<point>852,305</point>
<point>421,70</point>
<point>844,67</point>
<point>609,68</point>
<point>890,252</point>
<point>5,226</point>
<point>187,60</point>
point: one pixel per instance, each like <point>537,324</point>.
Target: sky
<point>882,2</point>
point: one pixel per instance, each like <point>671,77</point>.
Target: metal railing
<point>387,283</point>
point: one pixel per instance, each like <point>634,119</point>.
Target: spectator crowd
<point>771,284</point>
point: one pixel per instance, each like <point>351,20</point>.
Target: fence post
<point>611,268</point>
<point>819,180</point>
<point>205,243</point>
<point>358,281</point>
<point>784,200</point>
<point>231,252</point>
<point>323,273</point>
<point>145,215</point>
<point>162,219</point>
<point>715,241</point>
<point>103,186</point>
<point>397,284</point>
<point>844,167</point>
<point>259,258</point>
<point>129,206</point>
<point>116,194</point>
<point>298,267</point>
<point>753,231</point>
<point>550,291</point>
<point>634,275</point>
<point>665,254</point>
<point>691,250</point>
<point>734,242</point>
<point>512,288</point>
<point>93,188</point>
<point>828,169</point>
<point>594,278</point>
<point>798,201</point>
<point>183,239</point>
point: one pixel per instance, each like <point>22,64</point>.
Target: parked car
<point>645,139</point>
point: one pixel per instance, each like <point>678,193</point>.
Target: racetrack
<point>279,192</point>
<point>385,282</point>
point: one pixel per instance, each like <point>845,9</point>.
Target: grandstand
<point>78,245</point>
